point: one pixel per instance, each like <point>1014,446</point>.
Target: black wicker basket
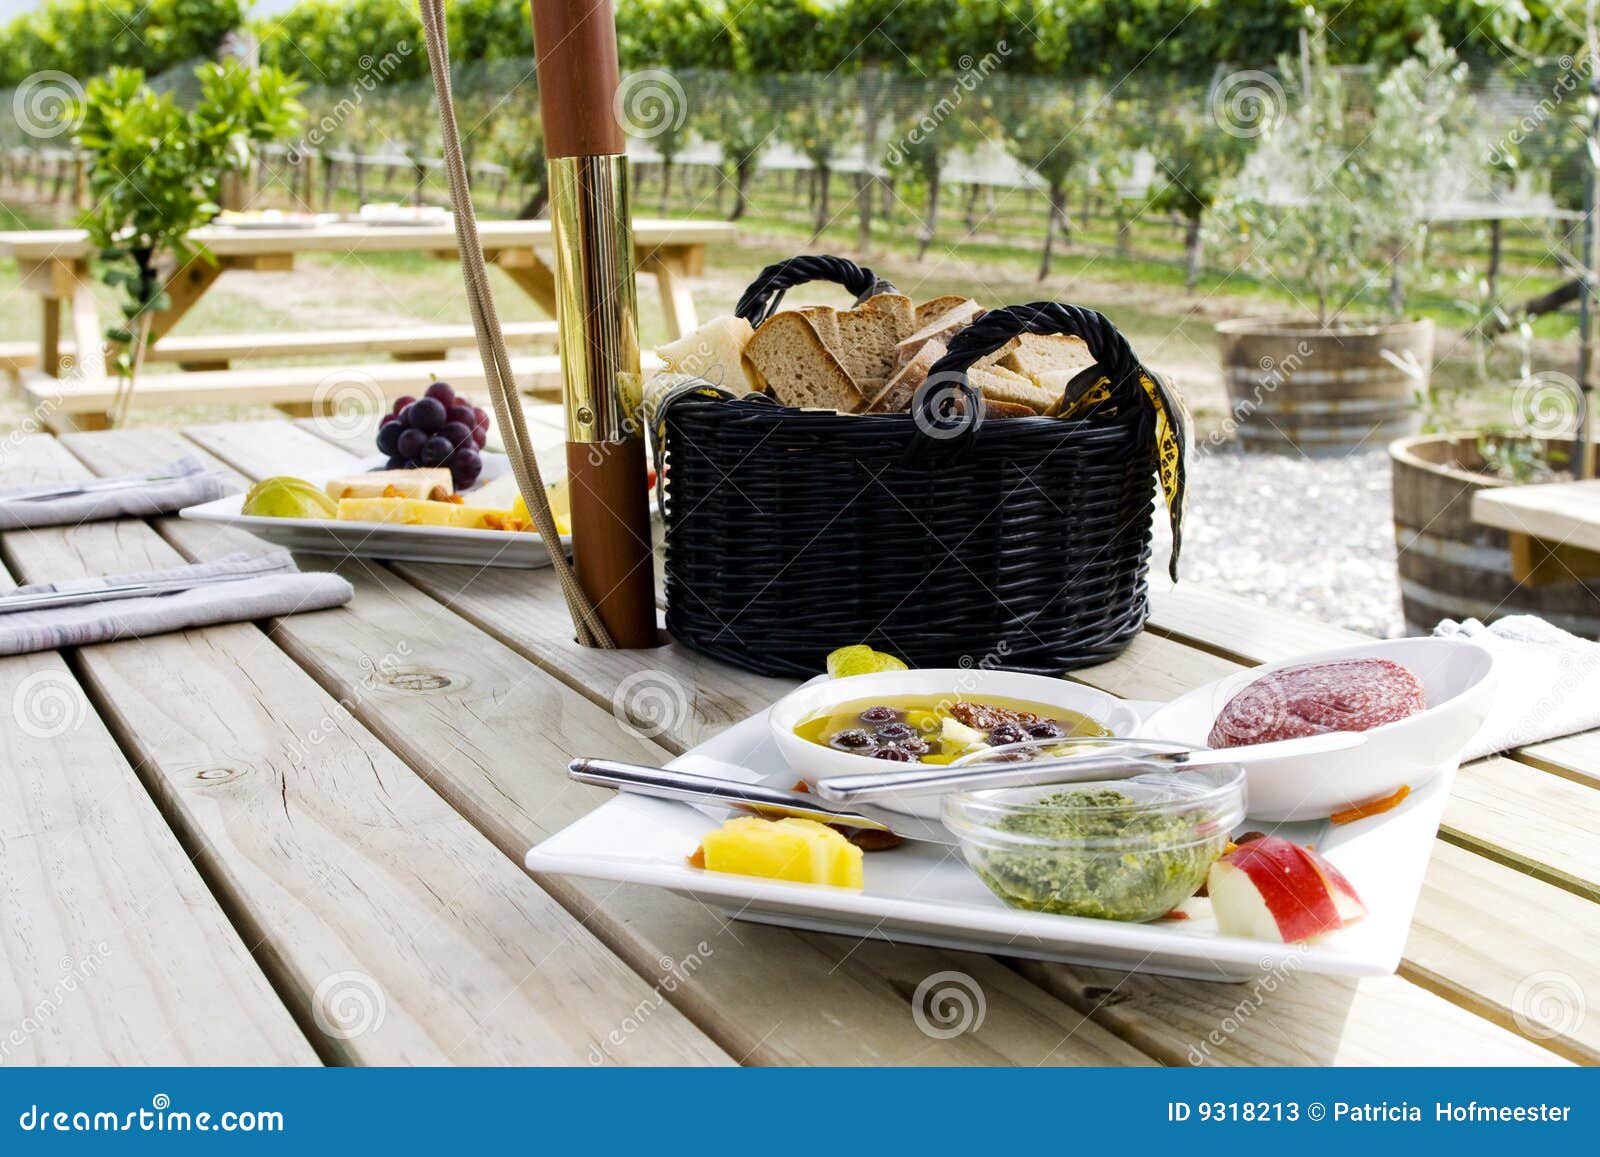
<point>937,536</point>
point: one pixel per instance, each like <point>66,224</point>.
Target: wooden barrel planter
<point>1454,568</point>
<point>1294,386</point>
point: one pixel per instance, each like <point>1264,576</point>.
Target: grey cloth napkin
<point>261,586</point>
<point>187,483</point>
<point>1547,681</point>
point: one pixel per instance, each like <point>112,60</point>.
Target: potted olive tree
<point>1450,564</point>
<point>1333,205</point>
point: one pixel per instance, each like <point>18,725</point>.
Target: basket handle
<point>1116,374</point>
<point>934,404</point>
<point>763,296</point>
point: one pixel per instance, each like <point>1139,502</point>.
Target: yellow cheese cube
<point>789,849</point>
<point>422,512</point>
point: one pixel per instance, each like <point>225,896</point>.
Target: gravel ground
<point>1312,537</point>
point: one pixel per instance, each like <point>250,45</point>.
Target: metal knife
<point>70,488</point>
<point>689,787</point>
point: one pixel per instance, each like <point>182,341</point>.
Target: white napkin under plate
<point>262,586</point>
<point>1547,681</point>
<point>185,482</point>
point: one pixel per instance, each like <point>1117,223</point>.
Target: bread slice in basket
<point>788,357</point>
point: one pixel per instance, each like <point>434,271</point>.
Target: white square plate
<point>924,893</point>
<point>451,544</point>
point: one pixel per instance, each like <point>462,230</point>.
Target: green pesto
<point>1154,861</point>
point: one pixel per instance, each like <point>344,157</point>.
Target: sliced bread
<point>714,352</point>
<point>788,357</point>
<point>1035,355</point>
<point>898,308</point>
<point>896,395</point>
<point>942,328</point>
<point>937,307</point>
<point>1011,388</point>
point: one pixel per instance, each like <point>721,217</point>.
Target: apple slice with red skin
<point>1343,892</point>
<point>1273,889</point>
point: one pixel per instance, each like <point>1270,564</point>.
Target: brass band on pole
<point>596,297</point>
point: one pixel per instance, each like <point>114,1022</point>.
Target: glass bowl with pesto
<point>1131,849</point>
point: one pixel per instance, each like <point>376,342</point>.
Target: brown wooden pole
<point>575,51</point>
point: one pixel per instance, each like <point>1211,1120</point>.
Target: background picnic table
<point>299,842</point>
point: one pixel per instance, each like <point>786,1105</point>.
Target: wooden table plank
<point>112,951</point>
<point>369,897</point>
<point>649,234</point>
<point>458,688</point>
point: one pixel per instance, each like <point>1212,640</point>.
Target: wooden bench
<point>217,351</point>
<point>79,404</point>
<point>64,404</point>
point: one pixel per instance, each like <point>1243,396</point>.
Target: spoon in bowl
<point>997,767</point>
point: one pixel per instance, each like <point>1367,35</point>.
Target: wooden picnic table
<point>1554,528</point>
<point>55,266</point>
<point>300,842</point>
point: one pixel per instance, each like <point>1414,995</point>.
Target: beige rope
<point>491,344</point>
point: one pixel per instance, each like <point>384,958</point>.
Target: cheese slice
<point>422,512</point>
<point>425,482</point>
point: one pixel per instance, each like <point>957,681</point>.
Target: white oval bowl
<point>1457,677</point>
<point>811,762</point>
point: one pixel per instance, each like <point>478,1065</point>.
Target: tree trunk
<point>1124,231</point>
<point>1192,251</point>
<point>868,87</point>
<point>1056,216</point>
<point>666,182</point>
<point>822,202</point>
<point>971,211</point>
<point>361,178</point>
<point>930,222</point>
<point>741,187</point>
<point>535,203</point>
<point>420,171</point>
<point>1397,292</point>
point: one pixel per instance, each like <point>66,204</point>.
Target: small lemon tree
<point>155,171</point>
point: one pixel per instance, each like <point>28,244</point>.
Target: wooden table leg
<point>532,275</point>
<point>87,333</point>
<point>1536,562</point>
<point>50,336</point>
<point>672,269</point>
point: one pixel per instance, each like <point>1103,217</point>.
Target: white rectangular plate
<point>450,544</point>
<point>924,893</point>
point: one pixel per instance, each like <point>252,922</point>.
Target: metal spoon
<point>982,770</point>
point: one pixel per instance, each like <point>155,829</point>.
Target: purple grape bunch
<point>441,428</point>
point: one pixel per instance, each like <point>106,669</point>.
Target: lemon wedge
<point>860,660</point>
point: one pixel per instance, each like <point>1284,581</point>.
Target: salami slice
<point>1343,695</point>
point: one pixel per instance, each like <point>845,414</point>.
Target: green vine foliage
<point>155,169</point>
<point>326,40</point>
<point>85,37</point>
